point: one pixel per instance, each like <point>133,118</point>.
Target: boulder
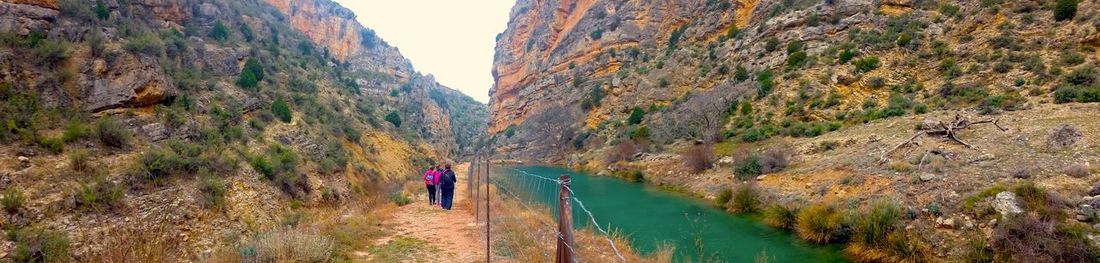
<point>1006,204</point>
<point>127,81</point>
<point>924,177</point>
<point>1095,191</point>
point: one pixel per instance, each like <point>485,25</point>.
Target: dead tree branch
<point>948,131</point>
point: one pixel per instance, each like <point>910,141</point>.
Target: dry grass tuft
<point>820,223</point>
<point>290,245</point>
<point>1077,170</point>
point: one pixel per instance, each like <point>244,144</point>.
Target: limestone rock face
<point>126,81</point>
<point>24,17</point>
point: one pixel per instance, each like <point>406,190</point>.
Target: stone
<point>761,177</point>
<point>1095,191</point>
<point>924,177</point>
<point>948,223</point>
<point>24,162</point>
<point>929,124</point>
<point>129,81</point>
<point>1006,204</point>
<point>1082,218</point>
<point>155,131</point>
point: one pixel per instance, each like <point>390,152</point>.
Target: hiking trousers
<point>431,194</point>
<point>448,196</point>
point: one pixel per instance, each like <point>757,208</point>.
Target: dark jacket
<point>448,180</point>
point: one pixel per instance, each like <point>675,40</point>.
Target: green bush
<point>740,73</point>
<point>796,60</point>
<point>846,55</point>
<point>1065,10</point>
<point>251,75</point>
<point>766,83</point>
<point>636,116</point>
<point>148,44</point>
<point>13,200</point>
<point>820,223</point>
<point>74,131</point>
<point>79,160</point>
<point>50,53</point>
<point>54,145</point>
<point>213,189</point>
<point>754,135</point>
<point>723,197</point>
<point>246,32</point>
<point>40,245</point>
<point>101,10</point>
<point>748,168</point>
<point>394,118</point>
<point>780,216</point>
<point>866,64</point>
<point>111,133</point>
<point>745,199</point>
<point>593,98</point>
<point>400,199</point>
<point>219,31</point>
<point>281,110</point>
<point>872,228</point>
<point>640,133</point>
<point>100,195</point>
<point>280,165</point>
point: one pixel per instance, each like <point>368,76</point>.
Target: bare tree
<point>555,126</point>
<point>701,116</point>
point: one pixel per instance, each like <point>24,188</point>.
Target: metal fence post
<point>488,221</point>
<point>565,223</point>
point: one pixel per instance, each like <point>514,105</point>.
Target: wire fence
<point>521,216</point>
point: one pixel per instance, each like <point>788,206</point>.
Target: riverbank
<point>944,192</point>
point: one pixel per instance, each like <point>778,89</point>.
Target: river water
<point>652,217</point>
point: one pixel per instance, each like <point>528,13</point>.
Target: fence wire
<point>492,193</point>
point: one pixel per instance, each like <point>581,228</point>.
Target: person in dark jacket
<point>447,185</point>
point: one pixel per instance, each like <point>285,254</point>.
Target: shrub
<point>246,32</point>
<point>251,75</point>
<point>510,131</point>
<point>78,160</point>
<point>797,59</point>
<point>54,145</point>
<point>1065,10</point>
<point>100,195</point>
<point>866,64</point>
<point>740,73</point>
<point>876,82</point>
<point>400,199</point>
<point>624,151</point>
<point>290,245</point>
<point>149,44</point>
<point>394,119</point>
<point>101,10</point>
<point>1028,238</point>
<point>748,168</point>
<point>640,134</point>
<point>766,83</point>
<point>219,31</point>
<point>1063,136</point>
<point>773,160</point>
<point>213,190</point>
<point>111,133</point>
<point>820,223</point>
<point>723,197</point>
<point>780,216</point>
<point>754,135</point>
<point>281,110</point>
<point>636,116</point>
<point>74,131</point>
<point>1077,170</point>
<point>593,98</point>
<point>871,229</point>
<point>40,245</point>
<point>846,55</point>
<point>13,200</point>
<point>745,199</point>
<point>698,158</point>
<point>280,165</point>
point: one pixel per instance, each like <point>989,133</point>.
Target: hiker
<point>447,183</point>
<point>438,190</point>
<point>430,180</point>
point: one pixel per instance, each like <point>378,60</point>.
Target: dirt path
<point>424,233</point>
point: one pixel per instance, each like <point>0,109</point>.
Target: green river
<point>651,217</point>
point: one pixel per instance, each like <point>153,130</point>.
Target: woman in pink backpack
<point>431,179</point>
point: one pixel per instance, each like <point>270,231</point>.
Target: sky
<point>452,40</point>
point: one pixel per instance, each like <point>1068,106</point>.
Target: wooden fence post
<point>565,223</point>
<point>477,192</point>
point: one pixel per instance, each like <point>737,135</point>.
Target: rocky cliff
<point>660,90</point>
<point>610,57</point>
<point>180,122</point>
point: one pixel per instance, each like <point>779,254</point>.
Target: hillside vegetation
<point>791,108</point>
<point>149,131</point>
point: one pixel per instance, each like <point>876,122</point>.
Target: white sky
<point>452,40</point>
